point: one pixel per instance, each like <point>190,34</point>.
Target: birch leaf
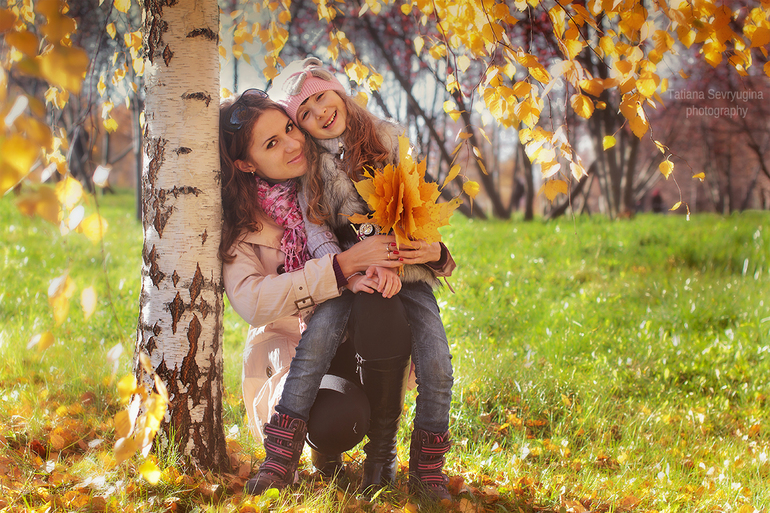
<point>88,301</point>
<point>666,168</point>
<point>452,175</point>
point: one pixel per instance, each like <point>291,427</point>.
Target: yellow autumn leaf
<point>124,449</point>
<point>647,83</point>
<point>554,187</point>
<point>463,62</point>
<point>594,87</point>
<point>700,176</point>
<point>123,423</point>
<point>451,175</point>
<point>608,142</point>
<point>572,48</point>
<point>69,191</point>
<point>126,387</point>
<point>450,108</point>
<point>111,31</point>
<point>150,472</point>
<point>110,125</point>
<point>666,168</point>
<point>42,340</point>
<point>582,105</point>
<point>60,290</point>
<point>676,205</point>
<point>419,44</point>
<point>122,5</point>
<point>471,188</point>
<point>19,153</point>
<point>24,41</point>
<point>65,66</point>
<point>760,37</point>
<point>7,19</point>
<point>93,227</point>
<point>88,301</point>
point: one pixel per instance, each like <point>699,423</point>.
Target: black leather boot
<point>384,383</point>
<point>328,465</point>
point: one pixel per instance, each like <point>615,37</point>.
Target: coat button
<point>269,371</point>
<point>329,235</point>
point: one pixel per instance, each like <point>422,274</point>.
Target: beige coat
<point>275,306</point>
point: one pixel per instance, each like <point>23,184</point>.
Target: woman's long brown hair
<point>239,190</point>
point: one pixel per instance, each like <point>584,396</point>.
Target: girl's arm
<point>320,237</point>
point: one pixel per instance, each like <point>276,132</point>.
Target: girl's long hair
<point>241,210</point>
<point>362,145</point>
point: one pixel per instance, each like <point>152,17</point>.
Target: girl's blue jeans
<point>430,355</point>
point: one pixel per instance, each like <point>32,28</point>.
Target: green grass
<point>620,365</point>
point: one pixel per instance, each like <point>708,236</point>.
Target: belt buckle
<point>298,301</point>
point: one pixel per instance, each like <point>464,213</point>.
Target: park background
<point>607,358</point>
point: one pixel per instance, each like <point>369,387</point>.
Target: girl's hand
<point>377,250</point>
<point>419,252</point>
<point>389,284</point>
<point>361,283</point>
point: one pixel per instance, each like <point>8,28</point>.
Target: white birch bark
<point>180,323</point>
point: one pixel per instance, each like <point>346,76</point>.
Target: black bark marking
<point>183,150</point>
<point>155,27</point>
<point>198,96</point>
<point>156,149</point>
<point>176,307</point>
<point>161,215</point>
<point>156,275</point>
<point>151,346</point>
<point>167,55</point>
<point>175,278</point>
<point>176,191</point>
<point>205,33</point>
<point>190,372</point>
<point>204,236</point>
<point>204,308</point>
<point>196,285</point>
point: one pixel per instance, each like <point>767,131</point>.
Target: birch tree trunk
<point>180,323</point>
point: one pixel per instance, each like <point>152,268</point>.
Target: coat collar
<point>270,235</point>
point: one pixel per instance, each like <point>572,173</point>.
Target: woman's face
<point>277,148</point>
<point>323,115</point>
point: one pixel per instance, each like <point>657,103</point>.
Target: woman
<point>273,285</point>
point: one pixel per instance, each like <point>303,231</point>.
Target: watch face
<point>366,229</point>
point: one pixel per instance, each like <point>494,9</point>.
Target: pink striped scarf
<point>279,201</point>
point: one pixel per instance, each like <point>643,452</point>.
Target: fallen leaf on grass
<point>575,507</point>
<point>629,502</point>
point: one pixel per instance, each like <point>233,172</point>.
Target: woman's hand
<point>388,282</point>
<point>377,250</point>
<point>419,252</point>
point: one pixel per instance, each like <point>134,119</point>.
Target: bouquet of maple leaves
<point>402,202</point>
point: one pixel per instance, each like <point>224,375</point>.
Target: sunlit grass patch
<point>608,366</point>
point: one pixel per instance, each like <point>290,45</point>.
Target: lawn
<point>599,366</point>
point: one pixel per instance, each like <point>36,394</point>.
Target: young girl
<point>351,138</point>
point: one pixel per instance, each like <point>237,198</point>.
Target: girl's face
<point>277,148</point>
<point>323,115</point>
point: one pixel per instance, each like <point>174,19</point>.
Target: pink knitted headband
<point>300,80</point>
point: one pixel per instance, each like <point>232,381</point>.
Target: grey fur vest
<point>342,199</point>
